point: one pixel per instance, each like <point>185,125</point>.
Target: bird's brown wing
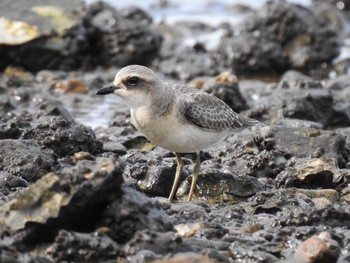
<point>210,113</point>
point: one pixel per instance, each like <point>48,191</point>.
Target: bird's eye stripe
<point>133,80</point>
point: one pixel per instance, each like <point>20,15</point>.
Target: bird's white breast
<point>173,134</point>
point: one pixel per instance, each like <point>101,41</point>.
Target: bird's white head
<point>134,84</point>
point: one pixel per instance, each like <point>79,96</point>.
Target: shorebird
<point>175,117</point>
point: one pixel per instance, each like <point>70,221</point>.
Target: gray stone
<point>62,136</point>
<point>278,36</point>
<point>26,159</point>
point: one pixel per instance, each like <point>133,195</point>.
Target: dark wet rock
<point>305,142</point>
<point>267,209</point>
<point>279,36</point>
<point>158,243</point>
<point>9,183</point>
<point>213,231</point>
<point>114,147</point>
<point>21,117</point>
<point>270,203</point>
<point>17,217</point>
<point>6,104</point>
<point>41,15</point>
<point>188,258</point>
<point>93,247</point>
<point>333,216</point>
<point>26,159</point>
<point>249,250</point>
<point>312,105</point>
<point>346,133</point>
<point>248,51</point>
<point>22,94</point>
<point>59,20</point>
<point>342,237</point>
<point>121,38</point>
<point>15,181</point>
<point>119,127</point>
<point>53,108</point>
<point>62,136</point>
<point>266,163</point>
<point>311,174</point>
<point>316,105</point>
<point>157,180</point>
<point>14,78</point>
<point>339,88</point>
<point>167,244</point>
<point>186,64</point>
<point>16,100</point>
<point>188,212</point>
<point>67,35</point>
<point>9,255</point>
<point>66,199</point>
<point>216,186</point>
<point>299,97</point>
<point>138,213</point>
<point>120,135</point>
<point>135,13</point>
<point>346,194</point>
<point>229,216</point>
<point>315,195</point>
<point>182,55</point>
<point>214,250</point>
<point>281,202</point>
<point>9,131</point>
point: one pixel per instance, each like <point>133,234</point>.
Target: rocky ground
<point>74,193</point>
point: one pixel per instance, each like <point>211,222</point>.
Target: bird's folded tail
<point>251,122</point>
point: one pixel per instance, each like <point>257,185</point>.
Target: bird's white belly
<point>188,139</point>
<point>170,133</point>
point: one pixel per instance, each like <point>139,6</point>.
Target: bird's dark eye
<point>133,81</point>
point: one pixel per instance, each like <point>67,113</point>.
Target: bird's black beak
<point>106,90</point>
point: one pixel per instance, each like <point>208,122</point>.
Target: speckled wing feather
<point>209,112</point>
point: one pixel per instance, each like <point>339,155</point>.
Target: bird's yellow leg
<point>178,174</point>
<point>195,175</point>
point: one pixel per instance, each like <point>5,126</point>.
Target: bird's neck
<point>162,103</point>
<point>138,100</point>
<point>156,103</point>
